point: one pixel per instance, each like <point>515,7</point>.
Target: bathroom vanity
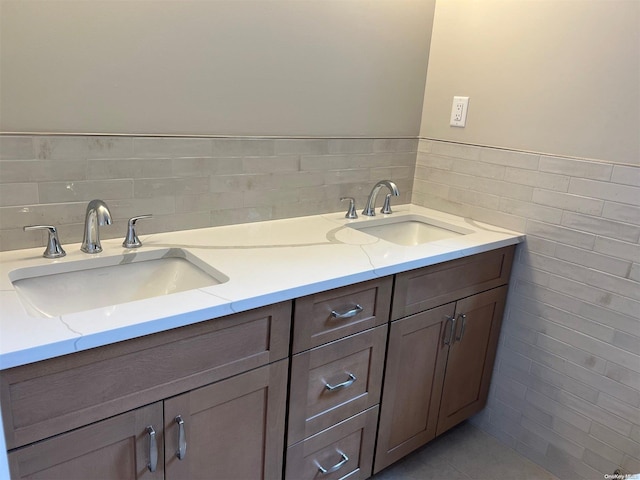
<point>321,350</point>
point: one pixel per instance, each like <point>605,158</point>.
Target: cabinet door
<point>416,361</point>
<point>471,357</point>
<point>119,448</point>
<point>233,429</point>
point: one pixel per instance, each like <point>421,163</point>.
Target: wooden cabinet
<point>334,314</point>
<point>233,429</point>
<point>336,380</point>
<point>343,451</point>
<point>440,361</point>
<point>415,368</point>
<point>117,448</point>
<point>471,356</point>
<point>217,369</point>
<point>424,288</point>
<point>210,400</point>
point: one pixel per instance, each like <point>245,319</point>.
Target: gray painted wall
<point>225,67</point>
<point>554,83</point>
<point>551,76</point>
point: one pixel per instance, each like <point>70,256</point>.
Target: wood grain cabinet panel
<point>413,383</point>
<point>330,315</point>
<point>334,381</point>
<point>440,361</point>
<point>233,429</point>
<point>118,448</point>
<point>471,357</point>
<point>41,399</point>
<point>344,451</point>
<point>424,288</point>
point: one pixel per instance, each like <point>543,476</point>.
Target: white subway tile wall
<point>186,183</point>
<point>566,388</point>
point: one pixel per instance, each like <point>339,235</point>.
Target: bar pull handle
<point>336,467</point>
<point>153,450</point>
<point>182,440</point>
<point>345,384</point>
<point>448,334</point>
<point>348,314</point>
<point>463,318</point>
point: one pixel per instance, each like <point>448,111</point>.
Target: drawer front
<point>428,287</point>
<point>57,395</point>
<point>344,450</point>
<point>335,381</point>
<point>330,315</point>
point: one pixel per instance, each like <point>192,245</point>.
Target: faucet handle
<point>54,249</point>
<point>351,212</point>
<point>386,206</point>
<point>132,240</point>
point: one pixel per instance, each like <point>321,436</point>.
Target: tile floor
<point>464,452</point>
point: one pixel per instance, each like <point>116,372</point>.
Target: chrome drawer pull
<point>331,388</point>
<point>182,441</point>
<point>348,314</point>
<point>463,319</point>
<point>336,467</point>
<point>448,336</point>
<point>153,450</point>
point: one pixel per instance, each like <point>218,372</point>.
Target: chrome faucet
<point>371,202</point>
<point>98,214</point>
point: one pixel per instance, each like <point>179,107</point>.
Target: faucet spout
<point>369,209</point>
<point>97,215</point>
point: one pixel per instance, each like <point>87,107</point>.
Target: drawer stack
<point>339,344</point>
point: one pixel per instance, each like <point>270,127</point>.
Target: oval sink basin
<point>69,287</point>
<point>410,230</point>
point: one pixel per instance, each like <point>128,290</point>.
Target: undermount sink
<point>76,286</point>
<point>410,230</point>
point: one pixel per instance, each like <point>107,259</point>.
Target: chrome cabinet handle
<point>349,313</point>
<point>463,319</point>
<point>346,383</point>
<point>336,467</point>
<point>182,440</point>
<point>153,450</point>
<point>448,338</point>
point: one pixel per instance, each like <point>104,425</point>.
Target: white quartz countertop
<point>266,262</point>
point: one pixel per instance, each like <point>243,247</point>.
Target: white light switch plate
<point>459,111</point>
